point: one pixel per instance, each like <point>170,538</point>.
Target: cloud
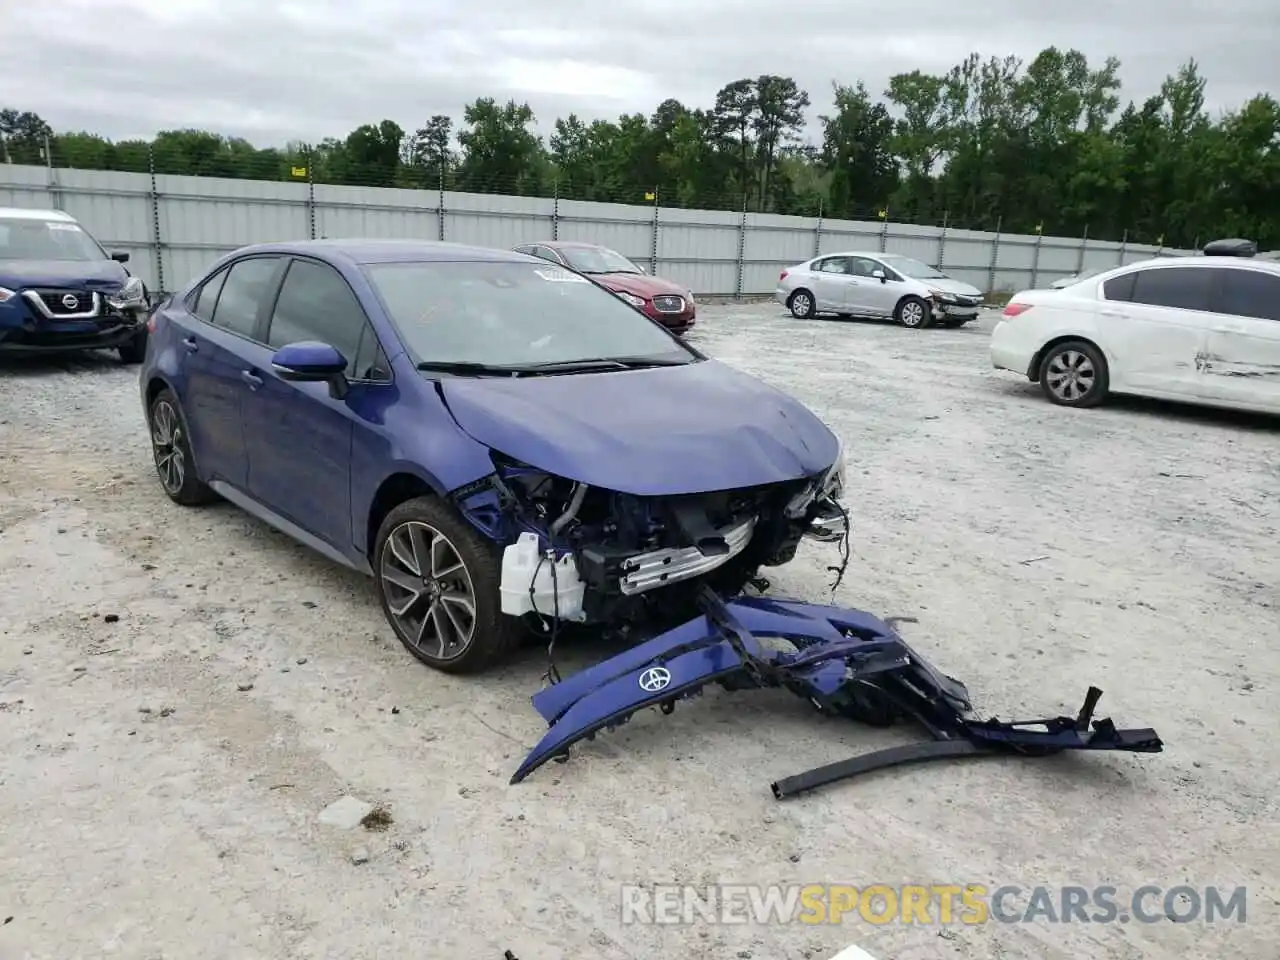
<point>274,72</point>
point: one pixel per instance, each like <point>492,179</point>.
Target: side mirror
<point>310,362</point>
<point>879,275</point>
<point>120,257</point>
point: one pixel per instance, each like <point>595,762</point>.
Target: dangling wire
<point>552,675</point>
<point>839,570</point>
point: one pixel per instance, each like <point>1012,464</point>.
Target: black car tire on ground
<point>171,451</point>
<point>954,323</point>
<point>802,305</point>
<point>1090,383</point>
<point>134,350</point>
<point>460,560</point>
<point>913,313</point>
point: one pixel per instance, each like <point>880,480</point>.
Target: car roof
<point>1197,260</point>
<point>364,251</point>
<point>875,255</point>
<point>27,213</point>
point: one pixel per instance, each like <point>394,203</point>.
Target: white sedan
<point>1196,329</point>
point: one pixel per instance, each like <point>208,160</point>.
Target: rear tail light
<point>782,276</point>
<point>1016,309</point>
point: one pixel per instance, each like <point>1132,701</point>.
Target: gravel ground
<point>182,692</point>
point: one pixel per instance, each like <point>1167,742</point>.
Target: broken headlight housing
<point>129,297</point>
<point>829,486</point>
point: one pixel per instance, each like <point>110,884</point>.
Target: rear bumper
<point>1009,354</point>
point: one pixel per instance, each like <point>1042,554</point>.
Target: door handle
<point>1111,313</point>
<point>1228,328</point>
<point>192,344</point>
<point>252,379</point>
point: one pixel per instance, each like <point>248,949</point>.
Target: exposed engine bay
<point>582,554</point>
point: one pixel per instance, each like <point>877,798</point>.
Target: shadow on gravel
<point>1188,413</point>
<point>51,365</point>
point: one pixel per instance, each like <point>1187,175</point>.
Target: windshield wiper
<point>467,367</point>
<point>606,363</point>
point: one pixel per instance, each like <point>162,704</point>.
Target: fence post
<point>817,232</point>
<point>51,178</point>
<point>995,256</point>
<point>942,241</point>
<point>1084,245</point>
<point>440,204</point>
<point>653,243</point>
<point>555,209</point>
<point>311,197</point>
<point>1124,247</point>
<point>884,230</point>
<point>742,246</point>
<point>156,238</point>
<point>1035,257</point>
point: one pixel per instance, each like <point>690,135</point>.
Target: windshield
<point>597,260</point>
<point>514,314</point>
<point>23,238</point>
<point>914,268</point>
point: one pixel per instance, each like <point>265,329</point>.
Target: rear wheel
<point>438,581</point>
<point>802,305</point>
<point>1074,374</point>
<point>913,313</point>
<point>171,450</point>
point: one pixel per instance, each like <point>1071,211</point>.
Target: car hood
<point>950,285</point>
<point>640,285</point>
<point>655,432</point>
<point>105,275</point>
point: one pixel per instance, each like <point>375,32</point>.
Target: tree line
<point>991,144</point>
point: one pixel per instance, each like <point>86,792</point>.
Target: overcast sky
<point>278,71</point>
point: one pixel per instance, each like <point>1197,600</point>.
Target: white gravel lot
<point>154,804</point>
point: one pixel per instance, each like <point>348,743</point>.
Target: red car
<point>668,303</point>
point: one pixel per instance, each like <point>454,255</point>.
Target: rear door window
<point>207,298</point>
<point>246,290</point>
<point>1178,288</point>
<point>1119,289</point>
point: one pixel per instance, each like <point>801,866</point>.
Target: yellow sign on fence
<point>299,171</point>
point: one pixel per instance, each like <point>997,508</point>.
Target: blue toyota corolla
<point>499,442</point>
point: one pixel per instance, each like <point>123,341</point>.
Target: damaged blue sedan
<point>501,444</point>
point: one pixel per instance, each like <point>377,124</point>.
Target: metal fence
<point>174,227</point>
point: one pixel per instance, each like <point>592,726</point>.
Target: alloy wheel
<point>428,590</point>
<point>1070,375</point>
<point>800,304</point>
<point>166,442</point>
<point>912,314</point>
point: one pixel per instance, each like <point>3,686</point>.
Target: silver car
<point>877,285</point>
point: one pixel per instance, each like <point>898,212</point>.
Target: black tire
<point>802,305</point>
<point>171,451</point>
<point>1090,383</point>
<point>913,313</point>
<point>954,324</point>
<point>487,635</point>
<point>134,350</point>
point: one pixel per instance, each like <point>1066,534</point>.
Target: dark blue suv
<point>59,290</point>
<point>500,442</point>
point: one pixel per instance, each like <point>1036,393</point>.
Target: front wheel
<point>913,313</point>
<point>134,350</point>
<point>438,582</point>
<point>1074,374</point>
